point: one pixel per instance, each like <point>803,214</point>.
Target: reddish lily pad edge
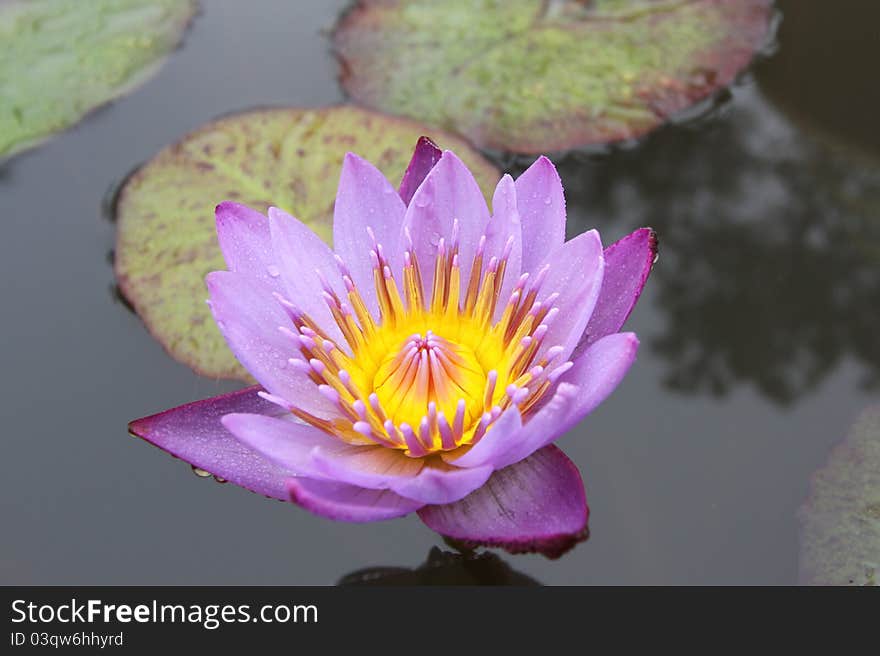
<point>698,105</point>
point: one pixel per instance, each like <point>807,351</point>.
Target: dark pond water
<point>759,330</point>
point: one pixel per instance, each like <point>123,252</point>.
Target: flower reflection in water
<point>444,568</point>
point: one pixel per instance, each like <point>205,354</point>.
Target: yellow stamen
<point>429,373</point>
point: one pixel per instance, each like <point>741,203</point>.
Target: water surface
<point>758,331</point>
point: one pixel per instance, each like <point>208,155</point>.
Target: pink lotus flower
<point>427,364</point>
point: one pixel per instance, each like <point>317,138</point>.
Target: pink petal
<point>503,226</point>
<point>249,318</point>
<point>194,433</point>
<point>599,371</point>
<point>365,199</point>
<point>496,446</point>
<point>448,194</point>
<point>310,452</point>
<point>424,157</point>
<point>510,441</point>
<point>244,239</point>
<point>576,270</point>
<point>441,485</point>
<point>348,503</point>
<point>304,259</point>
<point>628,264</point>
<point>374,467</point>
<point>594,376</point>
<point>282,440</point>
<point>592,379</point>
<point>536,505</point>
<point>542,209</point>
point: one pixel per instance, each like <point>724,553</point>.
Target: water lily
<point>426,363</point>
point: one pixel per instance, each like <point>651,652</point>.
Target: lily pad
<point>840,523</point>
<point>290,158</point>
<point>532,77</point>
<point>63,58</point>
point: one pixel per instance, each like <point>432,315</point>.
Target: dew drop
<point>422,200</point>
<point>219,479</point>
<point>273,270</point>
<point>548,200</point>
<point>201,473</point>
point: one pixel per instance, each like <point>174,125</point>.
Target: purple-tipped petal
<point>249,318</point>
<point>448,195</point>
<point>542,210</point>
<point>302,255</point>
<point>366,200</point>
<point>576,271</point>
<point>628,264</point>
<point>282,440</point>
<point>425,156</point>
<point>194,433</point>
<point>504,234</point>
<point>536,505</point>
<point>245,242</point>
<point>442,485</point>
<point>348,503</point>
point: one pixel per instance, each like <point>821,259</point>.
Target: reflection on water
<point>444,568</point>
<point>770,266</point>
<point>819,78</point>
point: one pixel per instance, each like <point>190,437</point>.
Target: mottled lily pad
<point>62,58</point>
<point>289,158</point>
<point>840,523</point>
<point>531,77</point>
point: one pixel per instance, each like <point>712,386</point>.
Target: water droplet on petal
<point>548,200</point>
<point>273,270</point>
<point>201,473</point>
<point>219,479</point>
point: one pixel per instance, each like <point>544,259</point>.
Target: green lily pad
<point>63,58</point>
<point>840,523</point>
<point>531,77</point>
<point>289,158</point>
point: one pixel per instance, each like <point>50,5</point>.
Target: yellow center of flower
<point>434,371</point>
<point>429,372</point>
